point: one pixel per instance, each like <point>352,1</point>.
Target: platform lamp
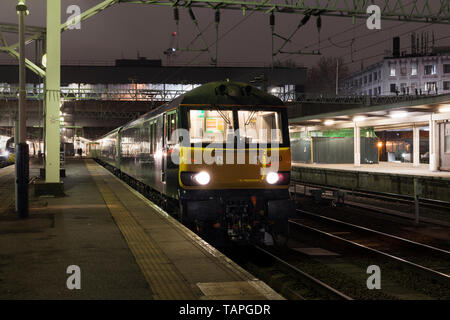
<point>379,145</point>
<point>22,156</point>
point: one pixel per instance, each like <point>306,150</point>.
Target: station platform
<point>421,170</point>
<point>384,177</point>
<point>125,246</point>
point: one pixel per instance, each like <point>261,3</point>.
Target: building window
<point>379,90</point>
<point>413,86</point>
<point>365,79</point>
<point>446,68</point>
<point>414,70</point>
<point>430,69</point>
<point>370,92</point>
<point>392,73</point>
<point>403,87</point>
<point>370,78</point>
<point>446,85</point>
<point>393,87</point>
<point>403,71</point>
<point>374,76</point>
<point>430,86</point>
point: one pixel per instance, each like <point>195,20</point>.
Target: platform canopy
<point>399,112</point>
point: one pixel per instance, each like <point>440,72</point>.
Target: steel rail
<point>374,231</point>
<point>379,195</point>
<point>429,271</point>
<point>306,276</point>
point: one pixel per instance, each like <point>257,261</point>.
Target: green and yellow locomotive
<point>221,151</point>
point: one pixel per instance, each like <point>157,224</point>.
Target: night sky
<point>124,30</point>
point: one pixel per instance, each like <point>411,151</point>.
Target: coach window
<point>145,142</point>
<point>171,127</point>
<point>153,136</point>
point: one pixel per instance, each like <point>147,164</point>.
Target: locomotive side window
<point>208,126</point>
<point>260,126</point>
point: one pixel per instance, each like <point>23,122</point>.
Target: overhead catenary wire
<point>382,54</point>
<point>389,39</point>
<point>213,43</point>
<point>353,38</point>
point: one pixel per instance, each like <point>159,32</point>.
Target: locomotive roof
<point>229,93</point>
<point>213,93</point>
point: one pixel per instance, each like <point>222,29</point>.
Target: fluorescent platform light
<point>359,118</point>
<point>398,114</point>
<point>445,108</point>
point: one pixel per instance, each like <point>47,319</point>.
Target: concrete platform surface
<point>382,167</point>
<point>386,177</point>
<point>125,246</point>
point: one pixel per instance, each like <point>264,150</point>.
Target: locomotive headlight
<point>272,177</point>
<point>202,178</point>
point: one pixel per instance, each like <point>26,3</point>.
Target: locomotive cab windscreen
<point>254,126</point>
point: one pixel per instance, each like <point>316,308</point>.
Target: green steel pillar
<point>52,97</point>
<point>357,145</point>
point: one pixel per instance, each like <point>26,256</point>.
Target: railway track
<point>312,282</point>
<point>426,260</point>
<point>428,203</point>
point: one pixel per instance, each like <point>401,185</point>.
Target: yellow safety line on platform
<point>262,288</point>
<point>164,279</point>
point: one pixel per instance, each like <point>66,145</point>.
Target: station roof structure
<point>381,112</point>
<point>118,74</point>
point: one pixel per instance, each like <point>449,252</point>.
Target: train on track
<point>221,152</point>
<point>6,150</point>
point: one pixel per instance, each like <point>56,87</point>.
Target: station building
<point>417,73</point>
